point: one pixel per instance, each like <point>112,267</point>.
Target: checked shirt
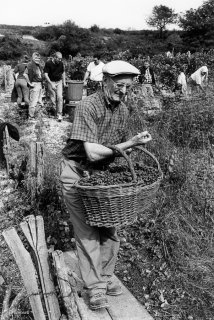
<point>96,121</point>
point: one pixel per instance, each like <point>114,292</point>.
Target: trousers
<point>56,95</point>
<point>22,90</point>
<point>97,247</point>
<point>35,97</point>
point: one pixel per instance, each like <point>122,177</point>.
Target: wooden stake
<point>36,167</point>
<point>40,164</point>
<point>27,271</point>
<point>64,286</point>
<point>5,78</point>
<point>32,169</point>
<point>33,229</point>
<point>7,148</point>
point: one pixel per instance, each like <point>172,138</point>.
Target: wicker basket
<point>118,205</point>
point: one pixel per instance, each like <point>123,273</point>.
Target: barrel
<point>74,90</point>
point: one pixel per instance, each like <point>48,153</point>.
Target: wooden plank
<point>126,306</point>
<point>33,229</point>
<point>122,307</point>
<point>27,270</point>
<point>71,262</point>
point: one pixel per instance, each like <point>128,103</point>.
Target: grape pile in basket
<point>118,174</point>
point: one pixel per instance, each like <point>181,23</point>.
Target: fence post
<point>36,167</point>
<point>6,149</point>
<point>40,164</point>
<point>5,77</point>
<point>67,289</point>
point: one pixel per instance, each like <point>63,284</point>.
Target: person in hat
<point>35,74</point>
<point>54,73</point>
<point>100,120</point>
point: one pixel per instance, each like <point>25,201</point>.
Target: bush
<point>12,48</point>
<point>189,123</point>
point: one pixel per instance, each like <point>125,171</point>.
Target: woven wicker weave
<point>118,205</point>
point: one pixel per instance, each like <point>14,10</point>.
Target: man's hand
<point>141,138</point>
<point>53,87</point>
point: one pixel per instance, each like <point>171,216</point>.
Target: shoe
<point>59,118</point>
<point>113,288</point>
<point>98,301</point>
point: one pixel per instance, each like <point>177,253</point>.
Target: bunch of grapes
<point>119,174</point>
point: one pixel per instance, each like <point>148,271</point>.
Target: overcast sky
<point>123,14</point>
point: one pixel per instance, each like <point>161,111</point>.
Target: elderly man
<point>55,75</point>
<point>35,72</point>
<point>100,120</point>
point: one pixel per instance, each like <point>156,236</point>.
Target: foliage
<point>167,255</point>
<point>11,48</point>
<point>198,24</point>
<point>77,66</point>
<point>118,31</point>
<point>161,16</point>
<point>95,28</point>
<point>188,124</point>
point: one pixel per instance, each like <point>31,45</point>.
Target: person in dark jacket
<point>147,78</point>
<point>54,73</point>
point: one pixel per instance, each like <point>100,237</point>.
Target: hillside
<point>71,39</point>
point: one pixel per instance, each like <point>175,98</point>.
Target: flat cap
<point>118,67</point>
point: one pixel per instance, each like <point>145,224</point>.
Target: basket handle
<point>151,155</point>
<point>131,167</point>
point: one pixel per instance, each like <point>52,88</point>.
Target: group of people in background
<point>195,83</point>
<point>30,78</point>
<point>29,82</point>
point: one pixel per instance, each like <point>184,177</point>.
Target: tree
<point>95,28</point>
<point>161,16</point>
<point>199,24</point>
<point>200,20</point>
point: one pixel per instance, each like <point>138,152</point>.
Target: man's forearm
<point>47,78</point>
<point>96,152</point>
<point>86,76</point>
<point>63,78</point>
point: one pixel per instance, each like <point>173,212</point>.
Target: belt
<point>87,165</point>
<point>79,160</point>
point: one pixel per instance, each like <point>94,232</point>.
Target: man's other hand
<point>141,138</point>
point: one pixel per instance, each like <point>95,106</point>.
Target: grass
<point>178,229</point>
